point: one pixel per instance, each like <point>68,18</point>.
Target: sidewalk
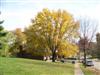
<point>78,70</point>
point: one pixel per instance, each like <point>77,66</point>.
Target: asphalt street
<point>96,64</point>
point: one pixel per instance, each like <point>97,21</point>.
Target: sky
<point>18,13</point>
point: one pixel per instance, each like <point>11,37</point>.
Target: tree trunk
<point>84,57</point>
<point>53,55</point>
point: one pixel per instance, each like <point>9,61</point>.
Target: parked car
<point>69,60</point>
<point>89,63</point>
<point>73,62</point>
<point>63,60</point>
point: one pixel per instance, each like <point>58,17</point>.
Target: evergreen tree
<point>2,40</point>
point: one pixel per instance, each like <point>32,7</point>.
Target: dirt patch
<point>96,71</point>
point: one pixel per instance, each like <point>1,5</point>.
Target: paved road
<point>97,64</point>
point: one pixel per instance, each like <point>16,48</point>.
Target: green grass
<point>18,66</point>
<point>87,71</point>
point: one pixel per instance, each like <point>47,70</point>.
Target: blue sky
<point>18,13</point>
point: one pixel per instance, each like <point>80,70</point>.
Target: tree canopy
<point>52,32</point>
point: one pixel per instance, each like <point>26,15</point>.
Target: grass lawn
<point>18,66</point>
<point>87,71</point>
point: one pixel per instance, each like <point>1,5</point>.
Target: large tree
<point>50,30</point>
<point>88,29</point>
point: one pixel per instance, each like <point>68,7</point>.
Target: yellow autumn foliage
<point>51,30</point>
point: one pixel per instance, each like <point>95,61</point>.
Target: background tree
<point>87,33</point>
<point>19,42</point>
<point>98,45</point>
<point>11,42</point>
<point>48,31</point>
<point>93,49</point>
